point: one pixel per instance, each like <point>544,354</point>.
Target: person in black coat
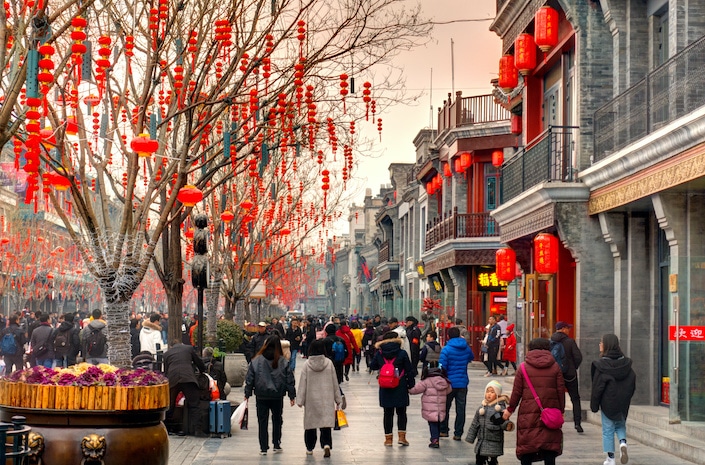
<point>613,385</point>
<point>135,337</point>
<point>66,356</point>
<point>394,399</point>
<point>180,363</point>
<point>413,334</point>
<point>328,341</point>
<point>15,361</point>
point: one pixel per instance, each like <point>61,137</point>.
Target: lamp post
<point>199,269</point>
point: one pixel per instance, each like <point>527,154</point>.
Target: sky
<point>429,71</point>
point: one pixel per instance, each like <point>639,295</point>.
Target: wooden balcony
<point>384,253</point>
<point>460,226</point>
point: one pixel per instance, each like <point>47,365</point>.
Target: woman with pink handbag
<point>539,392</point>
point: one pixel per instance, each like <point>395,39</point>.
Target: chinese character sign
<point>687,333</point>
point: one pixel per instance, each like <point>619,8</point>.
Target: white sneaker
<point>623,456</point>
<point>608,461</point>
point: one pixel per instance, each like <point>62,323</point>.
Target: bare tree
<point>168,95</point>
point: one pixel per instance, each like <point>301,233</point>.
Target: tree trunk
<point>117,317</point>
<point>174,295</point>
<point>228,308</point>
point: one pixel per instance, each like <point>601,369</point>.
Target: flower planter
<point>235,369</point>
<point>105,415</point>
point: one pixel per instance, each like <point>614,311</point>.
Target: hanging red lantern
<point>508,74</point>
<point>497,158</point>
<point>189,195</point>
<point>189,234</point>
<point>506,260</point>
<point>227,216</point>
<point>457,167</point>
<point>144,146</point>
<point>246,204</point>
<point>465,160</point>
<point>546,28</point>
<point>546,253</point>
<point>344,88</point>
<point>515,124</point>
<point>525,54</point>
<point>446,170</point>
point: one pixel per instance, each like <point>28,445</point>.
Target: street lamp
<point>199,269</point>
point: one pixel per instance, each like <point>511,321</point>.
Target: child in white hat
<point>488,426</point>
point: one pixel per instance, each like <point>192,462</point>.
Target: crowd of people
<point>397,351</point>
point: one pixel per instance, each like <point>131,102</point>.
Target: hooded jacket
<point>434,390</point>
<point>150,336</point>
<point>318,392</point>
<point>398,396</point>
<point>95,324</point>
<point>345,333</point>
<point>573,356</point>
<point>454,359</point>
<point>613,385</point>
<point>547,379</point>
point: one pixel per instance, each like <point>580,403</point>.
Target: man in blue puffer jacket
<point>454,359</point>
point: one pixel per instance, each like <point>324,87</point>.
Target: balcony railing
<point>465,111</point>
<point>669,92</point>
<point>458,226</point>
<point>548,158</point>
<point>384,252</point>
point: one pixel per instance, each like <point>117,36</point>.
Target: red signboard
<point>687,333</point>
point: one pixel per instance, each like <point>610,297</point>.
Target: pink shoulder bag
<point>552,418</point>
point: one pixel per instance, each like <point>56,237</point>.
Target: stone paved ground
<point>362,441</point>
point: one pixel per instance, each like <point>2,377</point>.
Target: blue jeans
<point>609,428</point>
<point>460,396</point>
<point>45,362</point>
<point>292,362</point>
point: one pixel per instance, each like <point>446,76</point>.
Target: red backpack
<point>389,375</point>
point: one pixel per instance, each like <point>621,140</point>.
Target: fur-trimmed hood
<point>396,340</point>
<point>153,326</point>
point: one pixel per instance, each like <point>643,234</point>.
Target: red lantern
<point>508,74</point>
<point>516,124</point>
<point>246,204</point>
<point>497,158</point>
<point>506,260</point>
<point>144,146</point>
<point>189,234</point>
<point>227,216</point>
<point>525,54</point>
<point>189,195</point>
<point>465,160</point>
<point>546,253</point>
<point>446,170</point>
<point>457,166</point>
<point>546,28</point>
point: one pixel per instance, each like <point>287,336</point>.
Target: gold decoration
<point>93,448</point>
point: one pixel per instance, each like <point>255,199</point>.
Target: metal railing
<point>14,438</point>
<point>550,157</point>
<point>465,111</point>
<point>669,92</point>
<point>459,225</point>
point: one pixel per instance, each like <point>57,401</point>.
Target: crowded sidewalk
<point>362,441</point>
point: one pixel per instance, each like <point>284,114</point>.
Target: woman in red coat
<point>346,334</point>
<point>510,348</point>
<point>534,440</point>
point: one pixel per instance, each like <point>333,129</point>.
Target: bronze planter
<point>110,437</point>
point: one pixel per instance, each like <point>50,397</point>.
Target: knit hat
<point>496,386</point>
<point>510,327</point>
<point>330,329</point>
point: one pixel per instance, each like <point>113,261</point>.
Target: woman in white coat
<point>319,394</point>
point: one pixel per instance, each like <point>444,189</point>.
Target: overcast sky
<point>476,53</point>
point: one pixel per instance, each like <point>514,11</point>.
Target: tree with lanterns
<point>126,115</point>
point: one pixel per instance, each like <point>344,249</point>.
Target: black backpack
<point>62,342</point>
<point>96,342</point>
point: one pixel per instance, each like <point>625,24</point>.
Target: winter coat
<point>368,341</point>
<point>295,337</point>
<point>490,437</point>
<point>573,356</point>
<point>150,336</point>
<point>413,334</point>
<point>510,348</point>
<point>42,335</point>
<point>434,390</point>
<point>613,385</point>
<point>73,342</point>
<point>357,334</point>
<point>398,396</point>
<point>269,382</point>
<point>345,333</point>
<point>180,362</point>
<point>318,392</point>
<point>547,379</point>
<point>454,359</point>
